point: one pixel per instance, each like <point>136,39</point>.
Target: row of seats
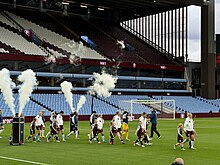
<point>57,102</point>
<point>2,50</point>
<point>18,42</point>
<point>190,104</point>
<point>6,21</point>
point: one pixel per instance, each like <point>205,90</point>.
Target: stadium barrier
<point>109,117</point>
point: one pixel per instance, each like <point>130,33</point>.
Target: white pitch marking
<point>21,160</point>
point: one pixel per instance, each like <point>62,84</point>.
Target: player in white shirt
<point>143,121</point>
<point>39,124</point>
<point>100,123</point>
<point>189,130</point>
<point>60,124</point>
<point>117,125</point>
<point>52,117</point>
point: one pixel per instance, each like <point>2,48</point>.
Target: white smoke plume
<point>81,102</point>
<point>66,88</point>
<point>121,44</point>
<point>6,86</point>
<point>28,79</point>
<point>102,84</point>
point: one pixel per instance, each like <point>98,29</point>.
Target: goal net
<point>165,108</point>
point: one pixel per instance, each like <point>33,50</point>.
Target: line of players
<point>116,125</point>
<point>190,132</point>
<point>96,123</point>
<point>56,127</point>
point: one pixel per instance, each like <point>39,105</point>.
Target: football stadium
<point>109,82</point>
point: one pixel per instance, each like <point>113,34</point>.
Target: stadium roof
<point>137,7</point>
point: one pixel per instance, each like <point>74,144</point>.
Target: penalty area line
<point>21,160</point>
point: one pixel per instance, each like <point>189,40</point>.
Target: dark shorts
<point>179,139</point>
<point>100,131</point>
<point>118,130</point>
<point>1,124</point>
<point>38,127</point>
<point>112,133</point>
<point>139,134</point>
<point>95,131</point>
<point>189,133</point>
<point>61,127</point>
<point>32,132</point>
<point>53,132</point>
<point>73,127</point>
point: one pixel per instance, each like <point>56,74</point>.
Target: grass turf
<point>81,152</point>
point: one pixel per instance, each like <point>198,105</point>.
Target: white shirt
<point>143,121</point>
<point>117,121</point>
<point>188,124</point>
<point>100,122</point>
<point>59,119</point>
<point>39,121</point>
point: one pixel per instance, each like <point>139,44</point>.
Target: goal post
<point>165,108</point>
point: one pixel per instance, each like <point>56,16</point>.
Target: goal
<point>165,108</point>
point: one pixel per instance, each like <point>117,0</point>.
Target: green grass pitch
<point>81,152</point>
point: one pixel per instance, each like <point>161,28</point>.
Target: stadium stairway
<point>42,105</point>
<point>109,103</point>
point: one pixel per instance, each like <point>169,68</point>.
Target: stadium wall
<point>109,117</point>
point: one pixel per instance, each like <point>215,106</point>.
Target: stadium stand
<point>142,48</point>
<point>109,105</point>
<point>7,21</point>
<point>15,40</point>
<point>57,40</point>
<point>9,49</point>
<point>106,44</point>
<point>31,109</point>
<point>190,104</point>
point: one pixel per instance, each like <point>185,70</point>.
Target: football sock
<point>126,135</point>
<point>70,133</point>
<point>38,137</point>
<point>141,142</point>
<point>146,139</point>
<point>48,134</point>
<point>1,130</point>
<point>181,145</point>
<point>97,139</point>
<point>63,136</point>
<point>56,136</point>
<point>76,134</point>
<point>192,143</point>
<point>185,141</point>
<point>103,138</point>
<point>42,132</point>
